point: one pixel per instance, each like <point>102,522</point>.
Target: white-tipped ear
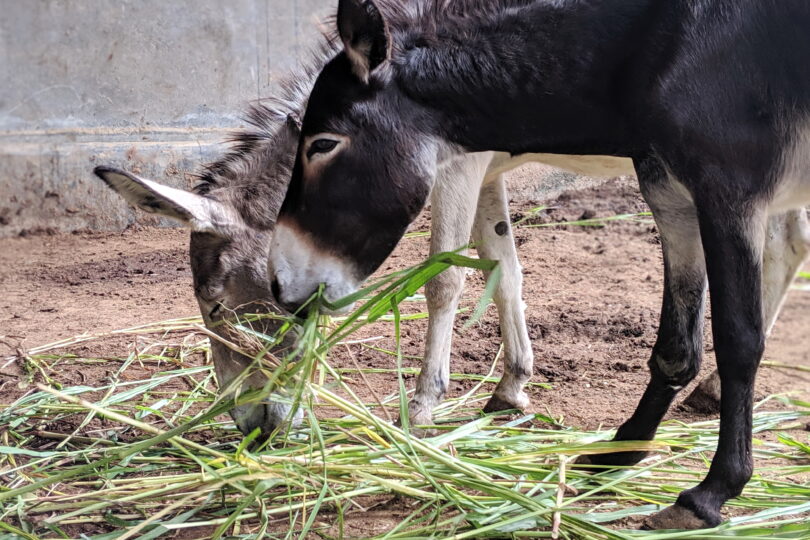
<point>198,213</point>
<point>365,35</point>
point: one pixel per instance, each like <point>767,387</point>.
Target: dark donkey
<point>710,99</point>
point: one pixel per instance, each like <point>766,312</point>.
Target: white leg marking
<point>453,200</point>
<point>493,238</point>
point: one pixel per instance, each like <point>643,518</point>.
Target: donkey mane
<point>398,12</point>
<point>424,16</point>
<point>253,175</point>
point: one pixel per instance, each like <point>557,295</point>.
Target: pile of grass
<point>166,461</point>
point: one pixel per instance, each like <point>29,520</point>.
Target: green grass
<point>526,220</point>
<point>640,217</point>
<point>165,460</point>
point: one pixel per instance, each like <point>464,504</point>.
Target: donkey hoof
<point>497,403</point>
<point>675,517</point>
<point>705,398</point>
<point>613,459</point>
<point>417,430</point>
<point>419,416</point>
<point>701,401</point>
<point>423,433</point>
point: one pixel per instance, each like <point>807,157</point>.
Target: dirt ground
<point>593,296</point>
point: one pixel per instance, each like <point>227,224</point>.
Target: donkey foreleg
<point>733,231</point>
<point>678,350</point>
<point>786,249</point>
<point>492,235</point>
<point>453,201</point>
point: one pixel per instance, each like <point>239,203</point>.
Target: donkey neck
<point>546,77</point>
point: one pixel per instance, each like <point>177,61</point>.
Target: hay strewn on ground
<point>155,456</point>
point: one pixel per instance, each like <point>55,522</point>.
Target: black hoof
<point>676,517</point>
<point>705,398</point>
<point>701,401</point>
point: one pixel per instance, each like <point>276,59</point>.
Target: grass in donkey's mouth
<point>152,456</point>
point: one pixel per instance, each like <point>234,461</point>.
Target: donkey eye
<point>321,146</point>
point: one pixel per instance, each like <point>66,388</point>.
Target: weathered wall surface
<point>150,85</point>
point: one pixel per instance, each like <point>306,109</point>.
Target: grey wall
<point>149,85</point>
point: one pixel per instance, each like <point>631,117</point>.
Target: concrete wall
<point>153,86</point>
<point>146,84</point>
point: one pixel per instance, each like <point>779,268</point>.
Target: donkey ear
<point>364,34</point>
<point>200,214</point>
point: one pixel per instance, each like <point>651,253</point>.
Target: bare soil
<point>593,296</point>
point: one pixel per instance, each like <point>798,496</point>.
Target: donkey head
<point>349,202</point>
<point>229,266</point>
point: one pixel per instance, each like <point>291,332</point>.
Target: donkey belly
<point>595,166</point>
<point>792,188</point>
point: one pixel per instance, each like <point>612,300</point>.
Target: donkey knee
<point>675,366</point>
<point>444,289</point>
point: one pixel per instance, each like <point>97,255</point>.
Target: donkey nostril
<point>276,290</point>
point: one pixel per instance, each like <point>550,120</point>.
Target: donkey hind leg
<point>492,234</point>
<point>453,201</point>
<point>677,353</point>
<point>786,249</point>
<point>733,238</point>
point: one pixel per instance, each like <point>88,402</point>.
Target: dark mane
<point>424,16</point>
<point>253,175</point>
